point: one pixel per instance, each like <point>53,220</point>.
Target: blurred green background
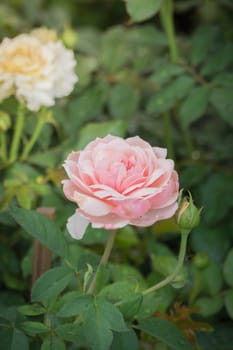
<point>129,86</point>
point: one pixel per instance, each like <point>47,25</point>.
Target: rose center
<point>22,60</point>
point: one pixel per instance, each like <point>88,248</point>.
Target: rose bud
<point>188,215</point>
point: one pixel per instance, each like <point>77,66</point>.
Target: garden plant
<point>116,177</point>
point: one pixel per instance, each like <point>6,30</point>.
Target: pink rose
<point>116,182</point>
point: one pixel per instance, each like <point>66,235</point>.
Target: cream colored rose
<point>36,68</point>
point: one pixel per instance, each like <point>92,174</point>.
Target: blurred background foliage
<point>128,85</point>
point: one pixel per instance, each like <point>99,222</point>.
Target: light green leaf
<point>118,290</point>
<point>41,228</point>
<point>209,306</point>
<point>166,332</point>
<point>228,268</point>
<point>194,106</point>
<point>51,284</point>
<point>141,10</point>
<point>33,328</point>
<point>92,130</point>
<point>32,310</point>
<point>75,306</point>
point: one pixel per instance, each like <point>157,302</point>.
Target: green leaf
<point>118,290</point>
<point>75,306</point>
<point>228,268</point>
<point>53,344</point>
<point>101,319</point>
<point>31,310</point>
<point>228,301</point>
<point>212,278</point>
<point>223,55</point>
<point>51,284</point>
<point>212,191</point>
<point>141,10</point>
<point>85,107</point>
<point>166,332</point>
<point>221,99</point>
<point>209,306</point>
<point>72,332</point>
<point>115,51</point>
<point>125,341</point>
<point>92,130</point>
<point>127,273</point>
<point>129,306</point>
<point>215,242</point>
<point>202,41</point>
<point>194,106</point>
<point>123,101</point>
<point>41,228</point>
<point>13,339</point>
<point>165,72</point>
<point>33,328</point>
<point>167,97</point>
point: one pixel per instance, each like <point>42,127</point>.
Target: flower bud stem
<point>17,133</point>
<point>170,278</point>
<point>104,259</point>
<point>34,137</point>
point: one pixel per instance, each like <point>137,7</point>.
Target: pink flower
<point>116,182</point>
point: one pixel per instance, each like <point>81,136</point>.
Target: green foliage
<point>166,332</point>
<point>139,12</point>
<point>41,228</point>
<point>127,86</point>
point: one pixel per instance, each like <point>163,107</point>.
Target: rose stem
<point>17,133</point>
<point>170,278</point>
<point>34,137</point>
<point>104,259</point>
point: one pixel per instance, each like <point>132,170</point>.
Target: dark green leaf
<point>212,278</point>
<point>53,344</point>
<point>194,106</point>
<point>215,242</point>
<point>123,101</point>
<point>228,301</point>
<point>13,339</point>
<point>166,332</point>
<point>125,341</point>
<point>41,228</point>
<point>214,190</point>
<point>202,42</point>
<point>51,284</point>
<point>140,11</point>
<point>228,268</point>
<point>165,72</point>
<point>101,319</point>
<point>221,99</point>
<point>129,306</point>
